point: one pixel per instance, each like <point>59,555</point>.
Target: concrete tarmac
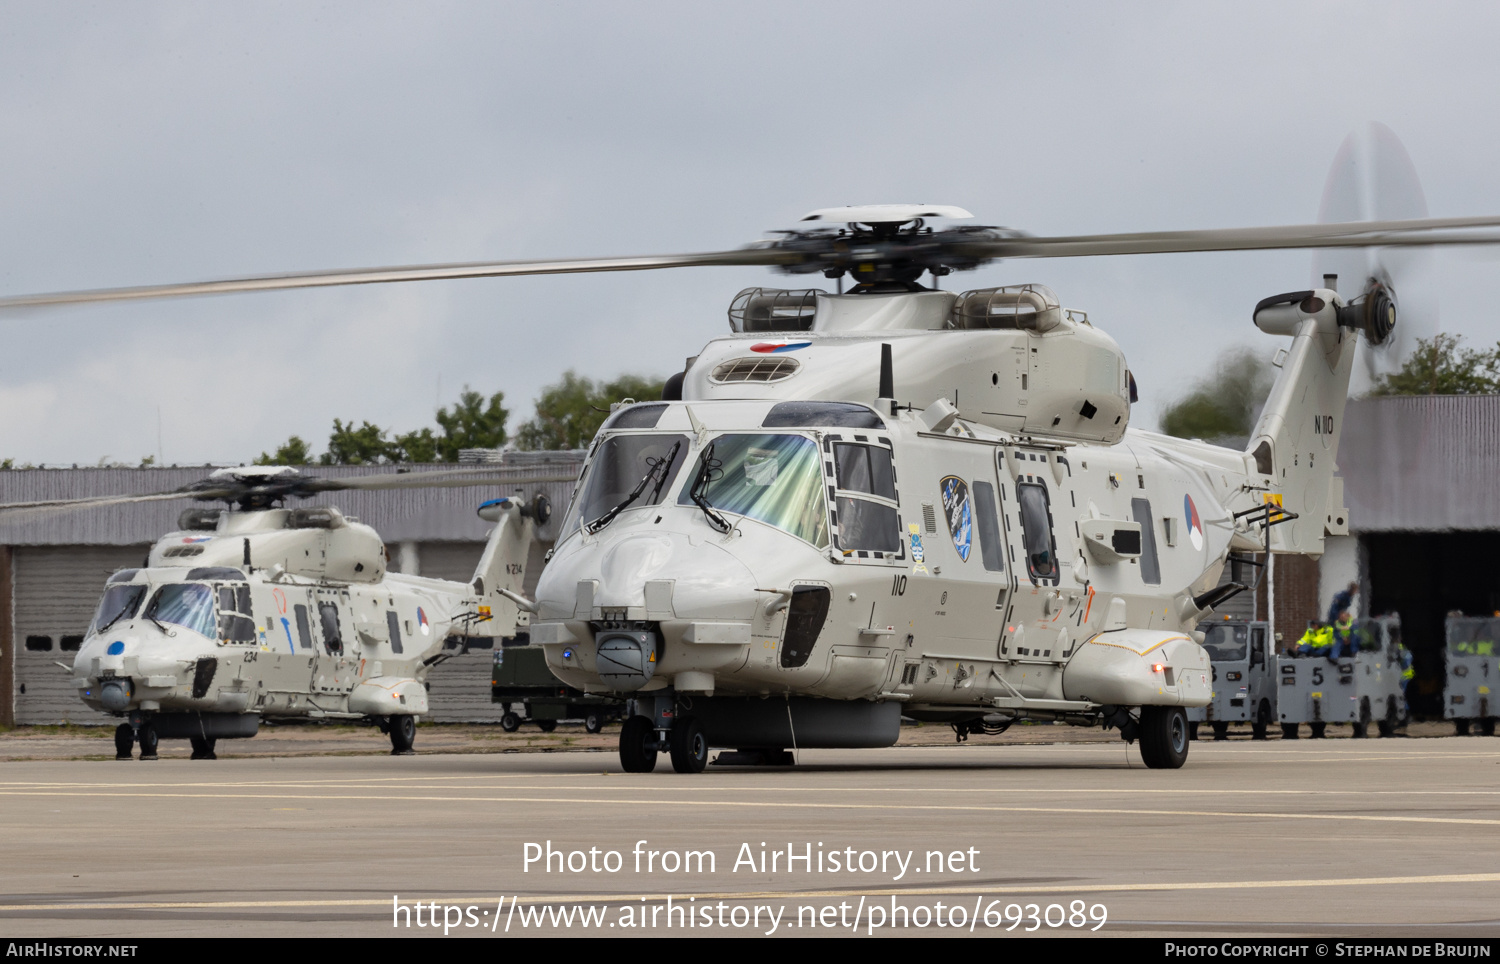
<point>1329,839</point>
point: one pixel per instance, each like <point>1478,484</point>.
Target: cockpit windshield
<point>776,479</point>
<point>119,602</point>
<point>1226,642</point>
<point>187,604</point>
<point>1473,635</point>
<point>618,469</point>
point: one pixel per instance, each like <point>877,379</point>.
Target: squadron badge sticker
<point>917,553</point>
<point>960,517</point>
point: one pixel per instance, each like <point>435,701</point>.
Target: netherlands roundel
<point>422,621</point>
<point>775,347</point>
<point>1194,524</point>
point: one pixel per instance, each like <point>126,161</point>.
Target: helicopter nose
<point>636,558</point>
<point>707,580</point>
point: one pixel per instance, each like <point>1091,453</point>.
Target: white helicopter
<point>262,611</point>
<point>899,501</point>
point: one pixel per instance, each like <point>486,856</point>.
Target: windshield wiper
<point>658,466</point>
<point>707,464</point>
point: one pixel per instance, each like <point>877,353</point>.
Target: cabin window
<point>1140,509</point>
<point>866,504</point>
<point>119,602</point>
<point>775,479</point>
<point>189,605</point>
<point>1036,529</point>
<point>333,640</point>
<point>393,626</point>
<point>304,626</point>
<point>989,527</point>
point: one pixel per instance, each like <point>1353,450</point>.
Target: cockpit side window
<point>865,468</point>
<point>188,604</point>
<point>333,641</point>
<point>865,507</point>
<point>119,602</point>
<point>235,619</point>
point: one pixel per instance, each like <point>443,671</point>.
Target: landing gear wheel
<point>1164,737</point>
<point>1359,729</point>
<point>1487,726</point>
<point>203,747</point>
<point>403,733</point>
<point>638,745</point>
<point>689,746</point>
<point>546,726</point>
<point>1192,731</point>
<point>147,737</point>
<point>1262,721</point>
<point>1316,730</point>
<point>1461,727</point>
<point>1289,731</point>
<point>124,741</point>
<point>593,723</point>
<point>1221,732</point>
<point>510,722</point>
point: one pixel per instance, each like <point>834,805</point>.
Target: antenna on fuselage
<point>887,378</point>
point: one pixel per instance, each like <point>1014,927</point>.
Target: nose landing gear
<point>685,743</point>
<point>124,741</point>
<point>203,747</point>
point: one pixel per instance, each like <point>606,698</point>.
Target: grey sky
<point>163,142</point>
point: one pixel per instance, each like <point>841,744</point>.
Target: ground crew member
<point>1341,601</point>
<point>1317,641</point>
<point>1343,637</point>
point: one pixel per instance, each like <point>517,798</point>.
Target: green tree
<point>570,411</point>
<point>1225,403</point>
<point>366,445</point>
<point>293,451</point>
<point>474,423</point>
<point>1440,366</point>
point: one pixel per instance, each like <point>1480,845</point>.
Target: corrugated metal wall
<point>56,591</point>
<point>1422,463</point>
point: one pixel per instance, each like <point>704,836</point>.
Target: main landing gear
<point>403,733</point>
<point>1164,737</point>
<point>684,741</point>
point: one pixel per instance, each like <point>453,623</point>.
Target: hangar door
<point>56,591</point>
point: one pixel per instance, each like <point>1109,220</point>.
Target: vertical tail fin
<point>1296,440</point>
<point>500,577</point>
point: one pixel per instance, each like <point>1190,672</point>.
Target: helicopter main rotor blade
<point>427,272</point>
<point>456,478</point>
<point>811,254</point>
<point>1353,234</point>
<point>104,500</point>
<point>427,480</point>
